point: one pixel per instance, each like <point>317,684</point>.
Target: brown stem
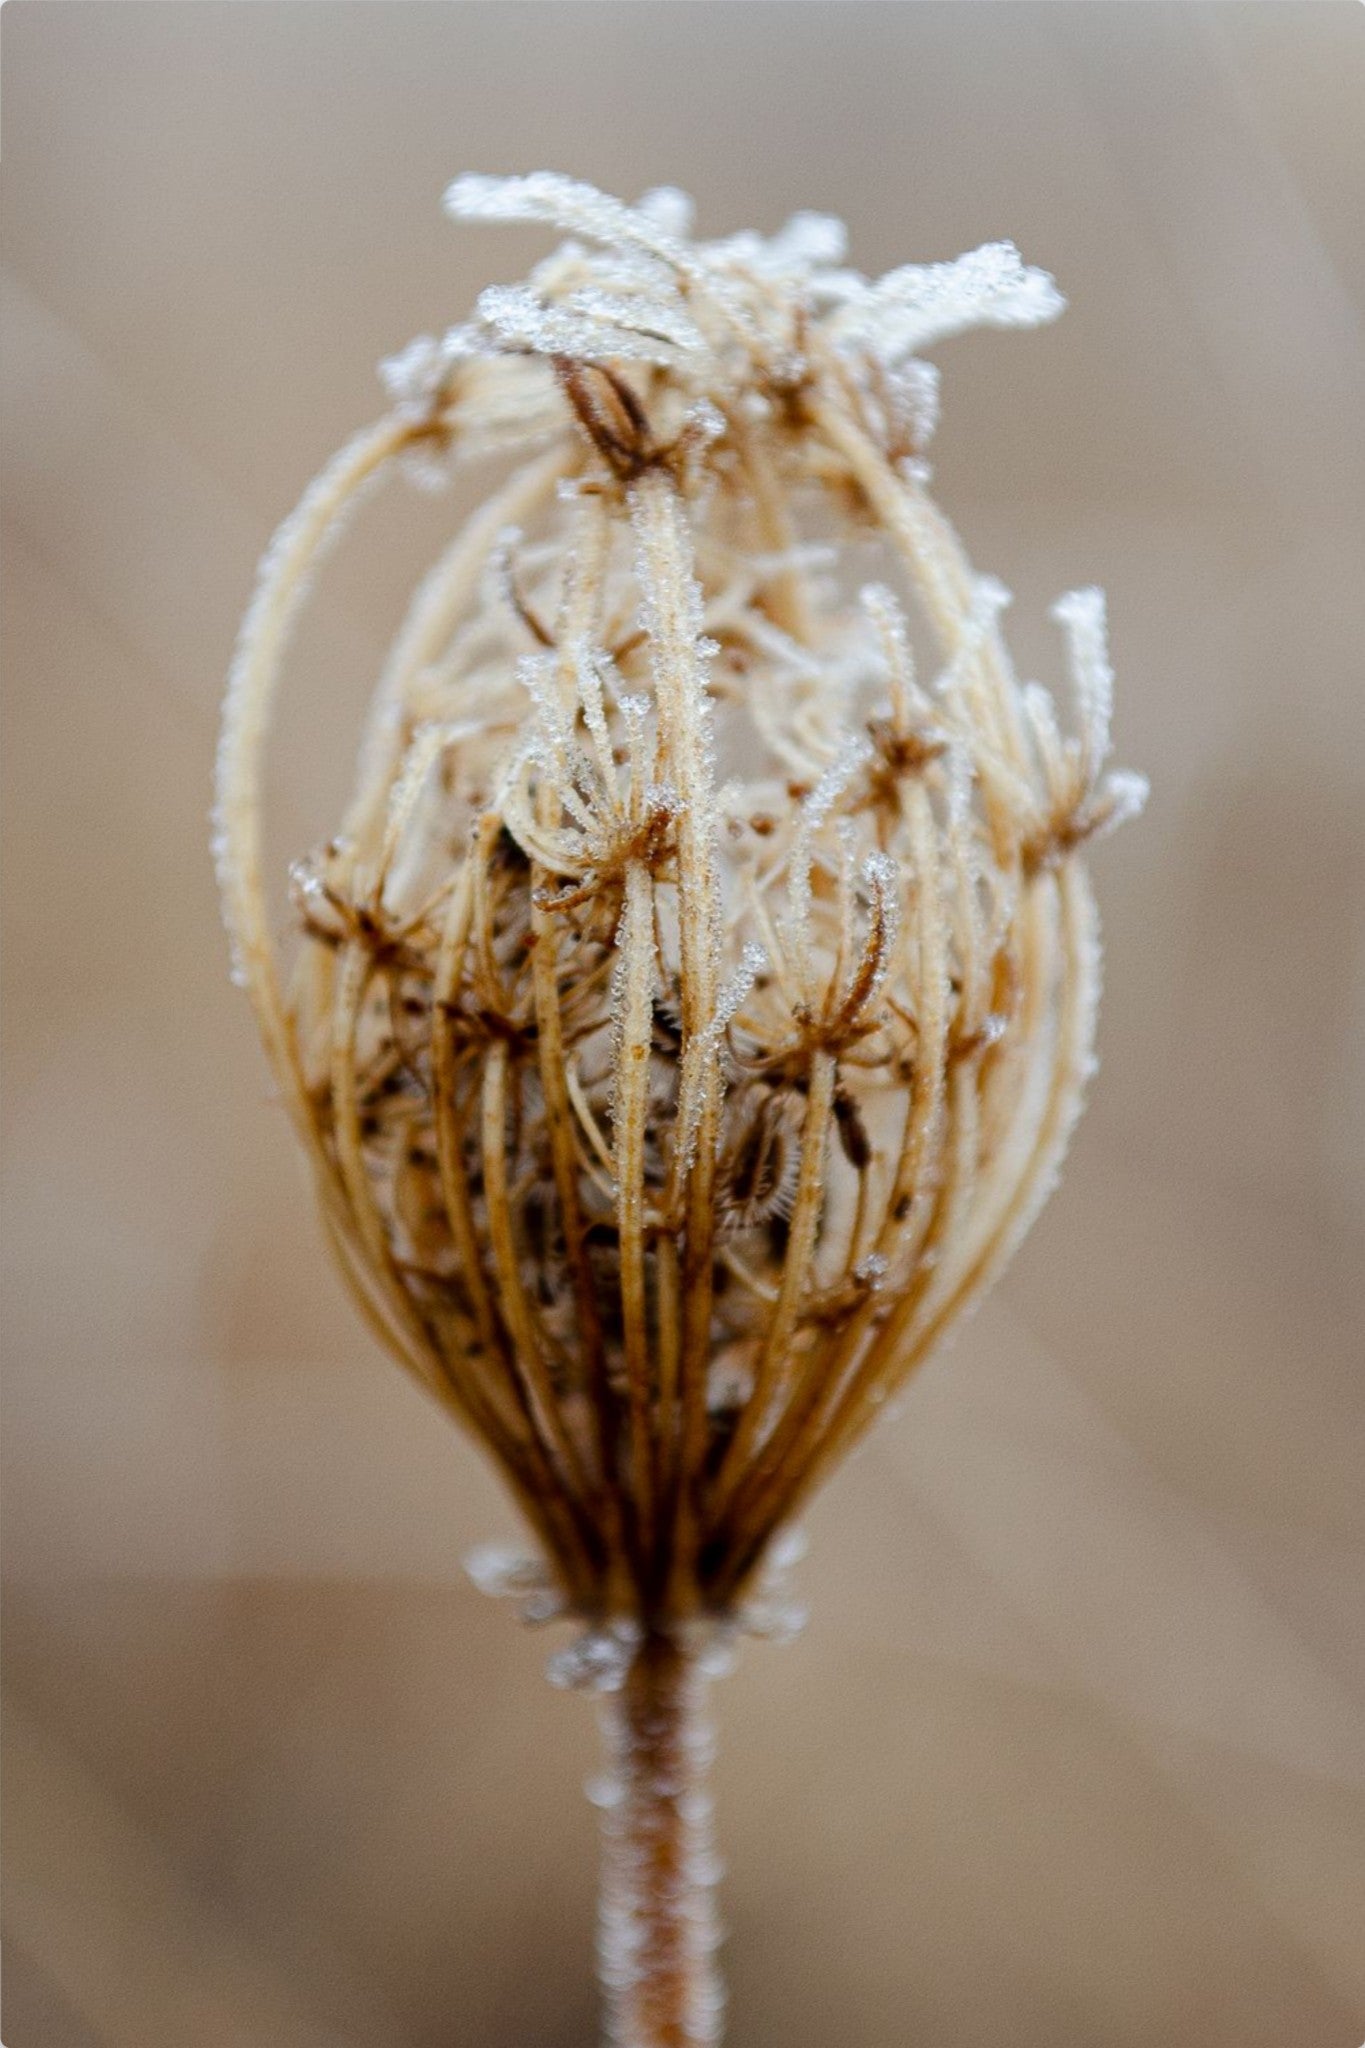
<point>658,1929</point>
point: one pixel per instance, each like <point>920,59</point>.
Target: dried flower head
<point>693,1007</point>
<point>691,1013</point>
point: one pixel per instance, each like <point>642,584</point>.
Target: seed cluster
<point>692,1011</point>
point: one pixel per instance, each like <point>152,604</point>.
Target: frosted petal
<point>1081,614</point>
<point>416,377</point>
<point>567,203</point>
<point>919,304</point>
<point>1123,795</point>
<point>586,326</point>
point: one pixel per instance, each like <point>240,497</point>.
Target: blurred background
<point>1073,1749</point>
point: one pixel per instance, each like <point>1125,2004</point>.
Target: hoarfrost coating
<point>694,1002</point>
<point>689,1015</point>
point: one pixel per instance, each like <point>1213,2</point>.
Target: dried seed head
<point>661,1127</point>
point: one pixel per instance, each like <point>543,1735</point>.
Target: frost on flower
<point>721,302</point>
<point>416,378</point>
<point>694,1001</point>
<point>688,1016</point>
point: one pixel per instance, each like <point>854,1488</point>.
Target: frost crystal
<point>669,210</point>
<point>596,1661</point>
<point>503,1572</point>
<point>1125,796</point>
<point>417,377</point>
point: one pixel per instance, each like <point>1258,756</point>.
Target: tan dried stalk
<point>691,1015</point>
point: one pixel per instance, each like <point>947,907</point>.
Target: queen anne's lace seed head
<point>693,1009</point>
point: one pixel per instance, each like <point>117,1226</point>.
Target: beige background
<point>1073,1751</point>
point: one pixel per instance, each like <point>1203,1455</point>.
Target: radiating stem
<point>665,561</point>
<point>775,1361</point>
<point>658,1929</point>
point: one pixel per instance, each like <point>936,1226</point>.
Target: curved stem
<point>936,560</point>
<point>658,1927</point>
<point>434,614</point>
<point>311,528</point>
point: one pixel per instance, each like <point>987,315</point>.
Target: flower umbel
<point>692,1012</point>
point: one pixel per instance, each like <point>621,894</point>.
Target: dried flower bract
<point>692,1011</point>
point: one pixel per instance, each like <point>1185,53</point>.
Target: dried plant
<point>692,1011</point>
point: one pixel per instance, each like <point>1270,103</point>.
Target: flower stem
<point>658,1927</point>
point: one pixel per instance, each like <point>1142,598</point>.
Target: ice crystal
<point>505,1573</point>
<point>596,1661</point>
<point>670,210</point>
<point>417,377</point>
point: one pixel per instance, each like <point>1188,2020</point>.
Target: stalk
<point>658,1926</point>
